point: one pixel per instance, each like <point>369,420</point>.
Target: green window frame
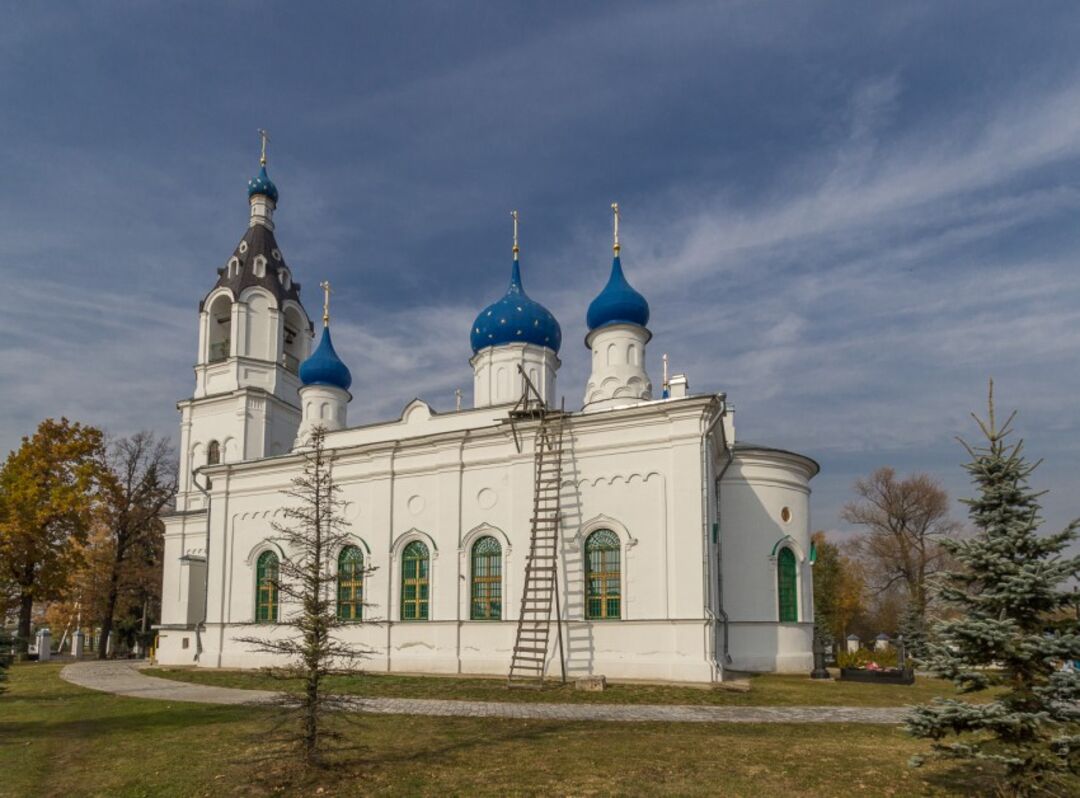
<point>415,582</point>
<point>486,580</point>
<point>266,588</point>
<point>787,594</point>
<point>603,576</point>
<point>350,584</point>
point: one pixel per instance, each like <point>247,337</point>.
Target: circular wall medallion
<point>416,505</point>
<point>785,515</point>
<point>486,498</point>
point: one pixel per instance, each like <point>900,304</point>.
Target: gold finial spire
<point>517,249</point>
<point>325,286</point>
<point>265,140</point>
<point>615,210</point>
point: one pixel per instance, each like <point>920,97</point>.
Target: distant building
<point>681,552</point>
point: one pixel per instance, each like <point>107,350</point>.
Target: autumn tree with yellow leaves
<point>48,495</point>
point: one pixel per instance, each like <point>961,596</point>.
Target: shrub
<point>863,657</point>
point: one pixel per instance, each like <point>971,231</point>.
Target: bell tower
<point>253,335</point>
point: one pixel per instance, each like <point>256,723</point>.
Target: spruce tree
<point>913,630</point>
<point>310,641</point>
<point>1013,632</point>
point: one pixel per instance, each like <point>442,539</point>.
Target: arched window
<point>414,582</point>
<point>486,580</point>
<point>213,453</point>
<point>786,593</point>
<point>266,588</point>
<point>350,580</point>
<point>602,575</point>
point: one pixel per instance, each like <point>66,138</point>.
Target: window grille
<point>787,594</point>
<point>415,587</point>
<point>603,578</point>
<point>266,590</point>
<point>486,580</point>
<point>350,584</point>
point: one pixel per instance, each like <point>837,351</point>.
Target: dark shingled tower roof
<point>276,278</point>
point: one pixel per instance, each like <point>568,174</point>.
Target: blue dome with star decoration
<point>324,367</point>
<point>262,184</point>
<point>618,303</point>
<point>515,319</point>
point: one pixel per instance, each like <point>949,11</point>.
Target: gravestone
<point>44,645</point>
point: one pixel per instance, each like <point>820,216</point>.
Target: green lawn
<point>766,690</point>
<point>60,740</point>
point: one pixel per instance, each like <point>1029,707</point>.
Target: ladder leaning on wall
<point>541,591</point>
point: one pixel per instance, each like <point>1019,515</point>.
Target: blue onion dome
<point>324,367</point>
<point>515,319</point>
<point>618,303</point>
<point>262,184</point>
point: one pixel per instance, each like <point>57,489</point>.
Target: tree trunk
<point>107,617</point>
<point>26,606</point>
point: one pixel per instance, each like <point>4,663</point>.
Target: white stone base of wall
<point>170,647</point>
<point>771,647</point>
<point>675,651</point>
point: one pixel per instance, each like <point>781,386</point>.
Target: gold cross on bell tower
<point>325,286</point>
<point>265,140</point>
<point>615,210</point>
<point>517,249</point>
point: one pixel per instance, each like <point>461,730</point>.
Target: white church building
<point>682,552</point>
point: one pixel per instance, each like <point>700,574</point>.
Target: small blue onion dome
<point>618,303</point>
<point>515,319</point>
<point>324,367</point>
<point>262,184</point>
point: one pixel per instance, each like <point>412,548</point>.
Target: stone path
<point>124,678</point>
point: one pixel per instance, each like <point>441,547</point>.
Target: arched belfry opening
<point>219,332</point>
<point>294,328</point>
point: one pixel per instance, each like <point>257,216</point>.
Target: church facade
<point>682,552</point>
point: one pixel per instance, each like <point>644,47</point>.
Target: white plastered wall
<point>626,475</point>
<point>754,493</point>
<point>448,479</point>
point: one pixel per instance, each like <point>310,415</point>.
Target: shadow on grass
<point>131,722</point>
<point>416,753</point>
<point>68,715</point>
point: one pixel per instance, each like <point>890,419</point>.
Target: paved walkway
<point>123,678</point>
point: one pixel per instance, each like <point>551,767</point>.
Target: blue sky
<point>846,216</point>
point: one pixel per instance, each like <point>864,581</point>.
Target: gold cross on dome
<point>615,210</point>
<point>325,286</point>
<point>265,140</point>
<point>514,216</point>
